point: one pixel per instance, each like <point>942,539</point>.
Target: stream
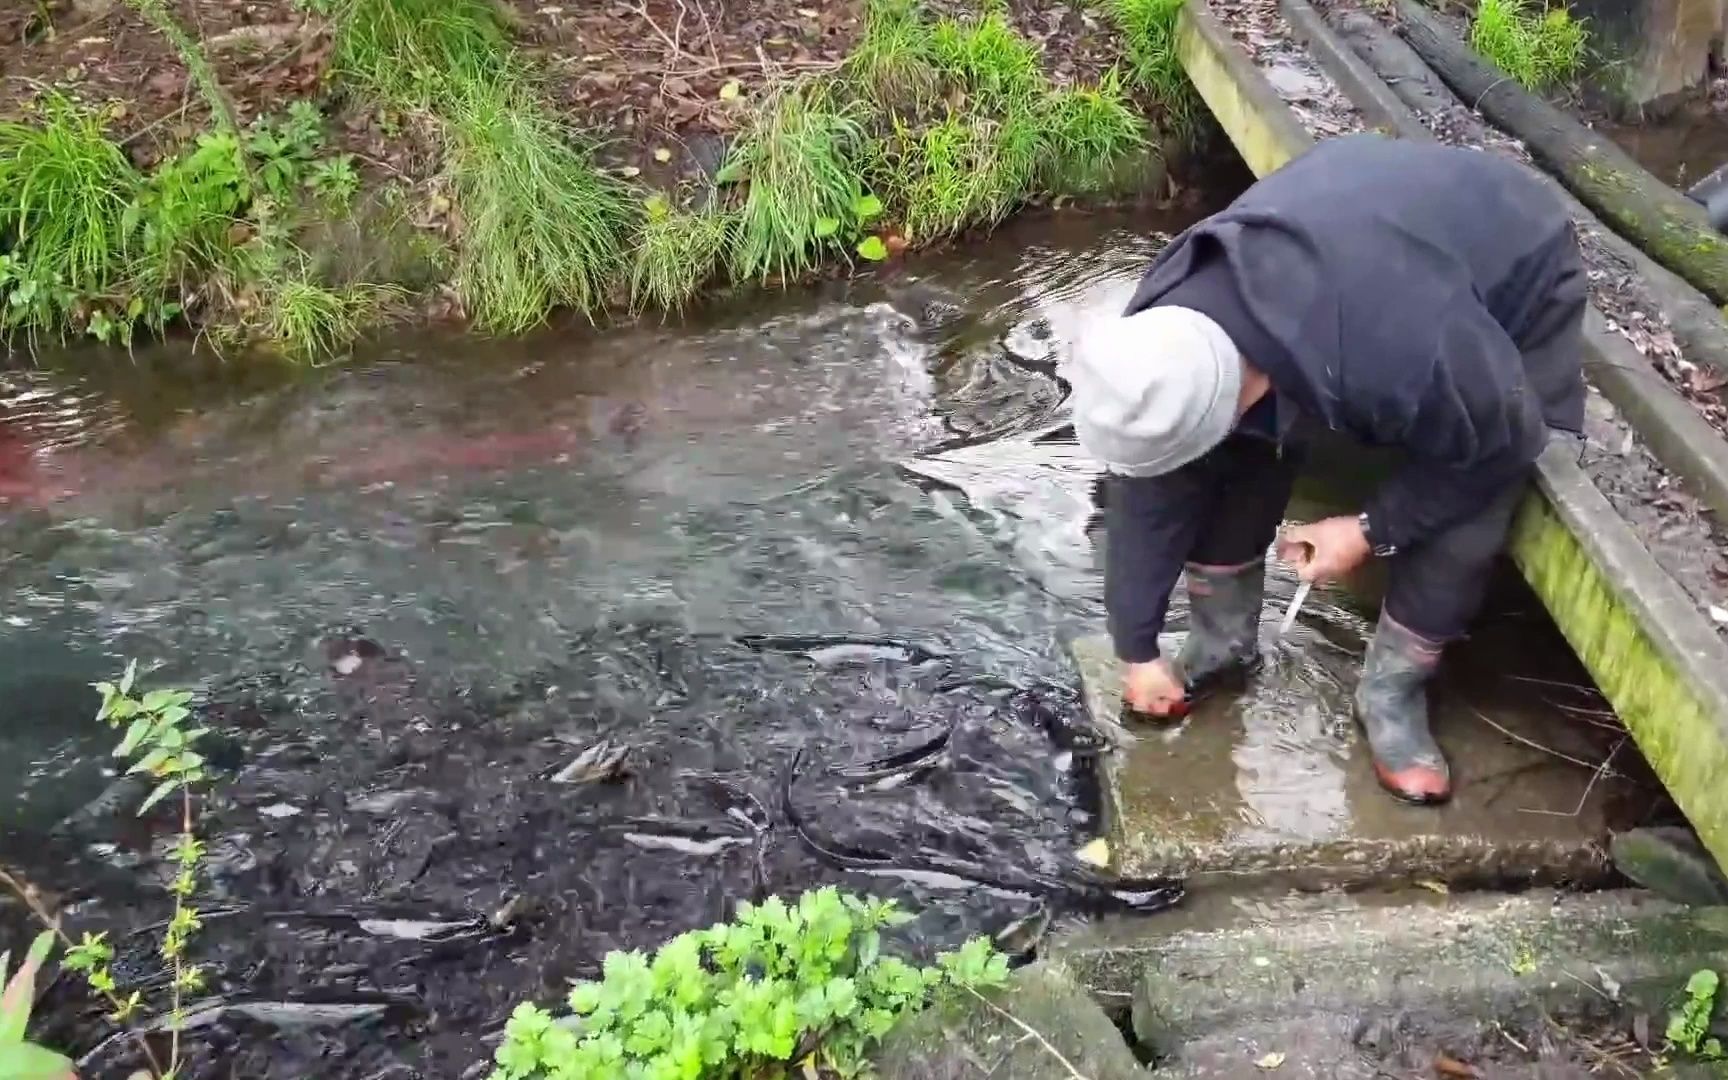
<point>516,652</point>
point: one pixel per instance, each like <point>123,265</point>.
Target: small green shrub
<point>677,252</point>
<point>747,999</point>
<point>1541,50</point>
<point>285,148</point>
<point>989,59</point>
<point>1689,1025</point>
<point>799,162</point>
<point>893,62</point>
<point>186,215</point>
<point>1091,131</point>
<point>335,180</point>
<point>541,226</point>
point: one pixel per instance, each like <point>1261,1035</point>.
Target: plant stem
<point>28,895</point>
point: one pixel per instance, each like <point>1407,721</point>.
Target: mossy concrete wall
<point>1654,655</point>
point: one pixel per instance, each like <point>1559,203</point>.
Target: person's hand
<point>1326,550</point>
<point>1153,688</point>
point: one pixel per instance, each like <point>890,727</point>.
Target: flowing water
<point>796,577</point>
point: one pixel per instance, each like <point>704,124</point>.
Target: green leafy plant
<point>781,984</point>
<point>285,147</point>
<point>21,1059</point>
<point>335,180</point>
<point>1540,49</point>
<point>158,741</point>
<point>1689,1025</point>
<point>850,229</point>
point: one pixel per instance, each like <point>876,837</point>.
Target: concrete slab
<point>1276,783</point>
<point>1507,960</point>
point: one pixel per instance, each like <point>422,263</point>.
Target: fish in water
<point>601,761</point>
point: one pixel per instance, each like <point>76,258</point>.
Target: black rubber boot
<point>1392,707</point>
<point>1223,644</point>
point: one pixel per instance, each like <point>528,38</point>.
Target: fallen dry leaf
<point>1446,1066</point>
<point>1270,1061</point>
<point>731,90</point>
<point>662,155</point>
<point>1434,886</point>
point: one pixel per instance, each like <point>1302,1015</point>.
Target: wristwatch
<point>1384,551</point>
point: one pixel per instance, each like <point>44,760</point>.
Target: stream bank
<point>292,173</point>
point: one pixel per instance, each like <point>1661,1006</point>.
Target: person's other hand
<point>1153,688</point>
<point>1325,550</point>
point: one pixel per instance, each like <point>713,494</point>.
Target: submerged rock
<point>1042,1026</point>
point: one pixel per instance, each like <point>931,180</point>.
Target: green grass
<point>893,63</point>
<point>1092,132</point>
<point>411,51</point>
<point>799,161</point>
<point>989,59</point>
<point>1148,29</point>
<point>311,321</point>
<point>541,227</point>
<point>677,252</point>
<point>65,190</point>
<point>1540,49</point>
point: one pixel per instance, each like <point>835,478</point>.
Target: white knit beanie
<point>1154,390</point>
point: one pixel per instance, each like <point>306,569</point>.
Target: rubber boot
<point>1223,641</point>
<point>1392,707</point>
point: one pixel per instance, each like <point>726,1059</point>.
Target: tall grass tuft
<point>1092,132</point>
<point>541,226</point>
<point>1148,29</point>
<point>800,161</point>
<point>65,188</point>
<point>308,320</point>
<point>410,50</point>
<point>990,59</point>
<point>1541,50</point>
<point>677,252</point>
<point>893,61</point>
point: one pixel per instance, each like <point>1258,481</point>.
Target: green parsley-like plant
<point>782,985</point>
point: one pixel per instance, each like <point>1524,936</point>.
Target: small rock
<point>280,810</point>
<point>970,1035</point>
<point>1672,863</point>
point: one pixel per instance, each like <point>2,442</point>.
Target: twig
<point>28,895</point>
<point>1584,797</point>
<point>1073,1073</point>
<point>1531,743</point>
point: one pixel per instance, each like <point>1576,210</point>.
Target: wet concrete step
<point>1648,644</point>
<point>1275,785</point>
<point>1373,991</point>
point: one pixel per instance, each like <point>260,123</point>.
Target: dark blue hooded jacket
<point>1398,292</point>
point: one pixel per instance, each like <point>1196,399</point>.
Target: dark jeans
<point>1435,589</point>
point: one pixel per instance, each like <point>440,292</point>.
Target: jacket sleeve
<point>1150,526</point>
<point>1474,428</point>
